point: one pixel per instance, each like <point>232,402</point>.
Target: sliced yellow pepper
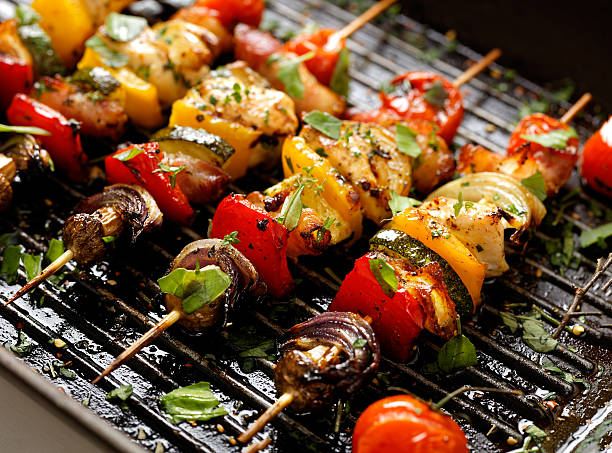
<point>68,24</point>
<point>185,112</point>
<point>340,195</point>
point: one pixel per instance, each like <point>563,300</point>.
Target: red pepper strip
<point>17,77</point>
<point>412,104</point>
<point>141,170</point>
<point>262,240</point>
<point>64,143</point>
<point>403,424</point>
<point>397,320</point>
<point>231,12</point>
<point>326,52</point>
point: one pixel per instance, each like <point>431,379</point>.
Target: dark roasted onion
<point>314,384</point>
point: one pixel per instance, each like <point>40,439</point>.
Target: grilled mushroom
<point>26,153</point>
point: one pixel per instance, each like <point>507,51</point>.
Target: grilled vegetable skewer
<point>214,278</point>
<point>329,355</point>
<point>121,209</point>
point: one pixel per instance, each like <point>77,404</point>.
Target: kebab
<point>120,210</point>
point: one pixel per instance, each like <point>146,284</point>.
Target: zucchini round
<point>194,142</point>
<point>417,254</point>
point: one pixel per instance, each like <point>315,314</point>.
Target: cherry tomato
<point>143,169</point>
<point>411,103</point>
<point>64,143</point>
<point>231,12</point>
<point>536,124</point>
<point>262,240</point>
<point>596,165</point>
<point>325,51</point>
<point>397,320</point>
<point>403,424</point>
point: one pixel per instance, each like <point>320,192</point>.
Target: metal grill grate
<point>102,310</point>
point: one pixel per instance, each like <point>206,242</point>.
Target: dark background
<point>541,39</point>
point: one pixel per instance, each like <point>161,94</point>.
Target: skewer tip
<point>282,402</point>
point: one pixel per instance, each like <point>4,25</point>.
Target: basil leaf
<point>536,336</point>
<point>325,123</point>
<point>548,365</point>
<point>22,346</point>
<point>288,73</point>
<point>340,77</point>
<point>23,130</point>
<point>123,28</point>
<point>26,15</point>
<point>595,437</point>
<point>55,250</point>
<point>536,185</point>
<point>554,139</point>
<point>436,95</point>
<point>10,263</point>
<point>32,264</point>
<point>384,275</point>
<point>120,393</point>
<point>457,353</point>
<point>38,43</point>
<point>129,154</point>
<point>172,171</point>
<point>194,402</point>
<point>231,238</point>
<point>109,56</point>
<point>509,320</point>
<point>399,203</point>
<point>406,140</point>
<point>197,287</point>
<point>292,209</point>
<point>599,234</point>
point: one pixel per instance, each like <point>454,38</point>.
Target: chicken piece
<point>479,226</point>
<point>368,157</point>
<point>200,181</point>
<point>256,47</point>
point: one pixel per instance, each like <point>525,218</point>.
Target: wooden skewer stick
<point>360,21</point>
<point>45,274</point>
<point>281,403</point>
<point>257,446</point>
<point>476,68</point>
<point>153,333</point>
<point>576,108</point>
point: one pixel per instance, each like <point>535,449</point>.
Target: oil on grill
<point>100,311</point>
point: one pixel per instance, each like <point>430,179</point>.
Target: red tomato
<point>403,424</point>
<point>143,170</point>
<point>397,320</point>
<point>262,240</point>
<point>232,12</point>
<point>597,159</point>
<point>325,52</point>
<point>64,143</point>
<point>411,104</point>
<point>536,124</point>
<point>17,77</point>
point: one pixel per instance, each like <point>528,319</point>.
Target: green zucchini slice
<point>194,142</point>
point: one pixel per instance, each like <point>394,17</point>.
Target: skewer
<point>152,334</point>
<point>360,21</point>
<point>477,67</point>
<point>576,108</point>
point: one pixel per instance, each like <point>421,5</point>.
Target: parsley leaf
<point>109,56</point>
<point>596,235</point>
<point>23,130</point>
<point>108,239</point>
<point>292,209</point>
<point>194,402</point>
<point>22,346</point>
<point>172,171</point>
<point>231,238</point>
<point>457,206</point>
<point>406,140</point>
<point>535,183</point>
<point>288,73</point>
<point>340,77</point>
<point>128,154</point>
<point>398,203</point>
<point>436,94</point>
<point>384,275</point>
<point>325,123</point>
<point>123,28</point>
<point>327,224</point>
<point>121,394</point>
<point>556,139</point>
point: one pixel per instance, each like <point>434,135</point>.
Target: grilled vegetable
<point>64,143</point>
<point>8,170</point>
<point>403,424</point>
<point>15,64</point>
<point>25,151</point>
<point>196,143</point>
<point>597,159</point>
<point>232,12</point>
<point>327,356</point>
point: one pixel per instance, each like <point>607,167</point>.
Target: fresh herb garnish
<point>398,203</point>
<point>108,239</point>
<point>436,94</point>
<point>123,28</point>
<point>23,130</point>
<point>554,139</point>
<point>288,73</point>
<point>533,332</point>
<point>457,206</point>
<point>172,171</point>
<point>514,210</point>
<point>340,77</point>
<point>327,224</point>
<point>10,263</point>
<point>387,87</point>
<point>291,210</point>
<point>406,140</point>
<point>535,183</point>
<point>32,264</point>
<point>596,235</point>
<point>120,395</point>
<point>26,15</point>
<point>55,250</point>
<point>129,154</point>
<point>456,354</point>
<point>231,238</point>
<point>194,402</point>
<point>22,346</point>
<point>359,343</point>
<point>384,275</point>
<point>325,123</point>
<point>109,56</point>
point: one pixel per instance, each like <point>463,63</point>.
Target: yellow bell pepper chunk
<point>424,228</point>
<point>140,97</point>
<point>336,190</point>
<point>185,112</point>
<point>68,24</point>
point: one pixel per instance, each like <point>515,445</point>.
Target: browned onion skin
<point>314,385</point>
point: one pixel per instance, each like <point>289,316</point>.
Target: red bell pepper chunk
<point>143,169</point>
<point>230,12</point>
<point>262,240</point>
<point>397,321</point>
<point>17,77</point>
<point>64,143</point>
<point>326,52</point>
